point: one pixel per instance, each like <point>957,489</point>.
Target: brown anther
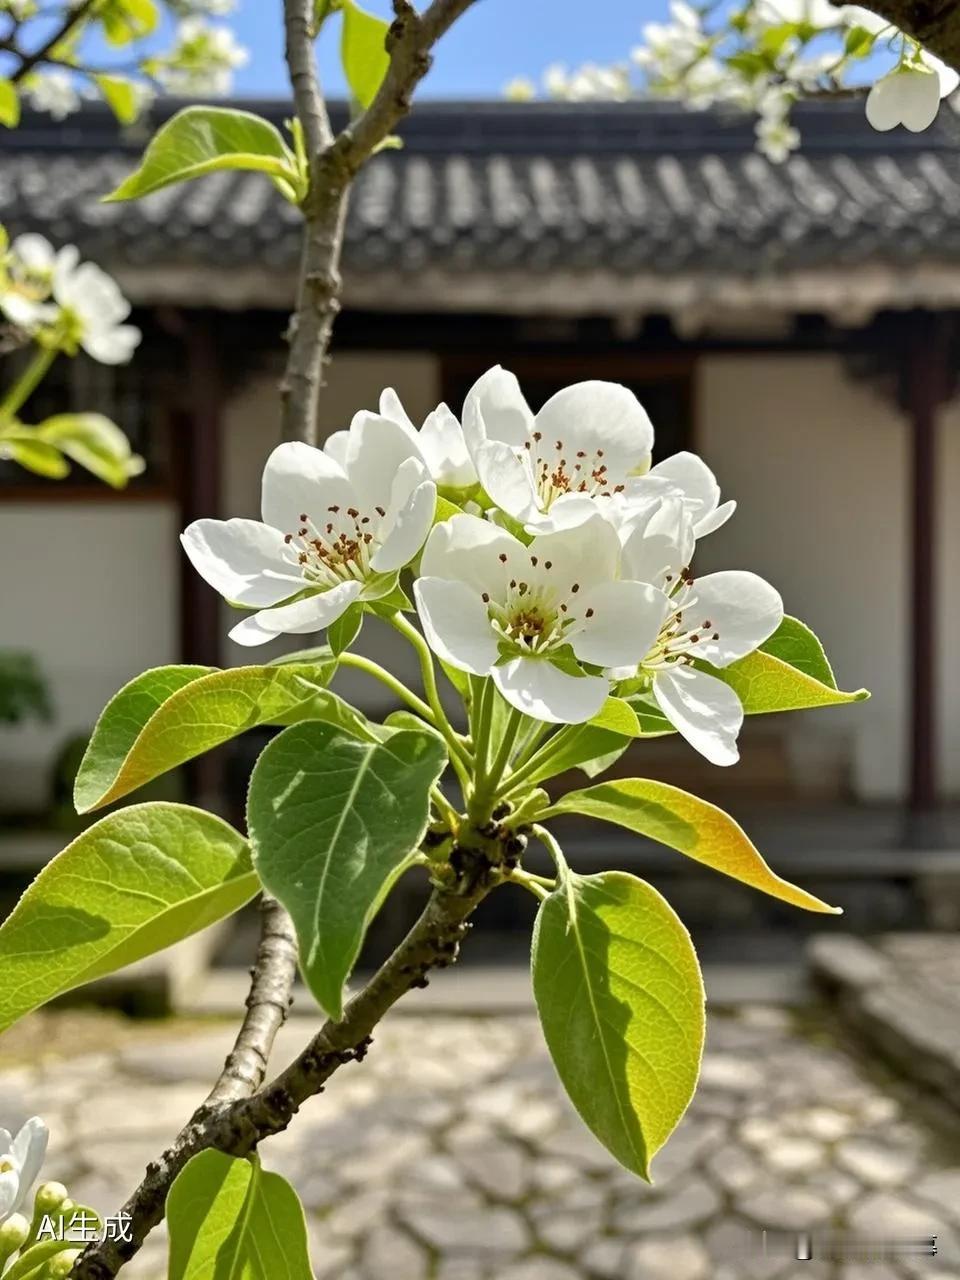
<point>513,584</point>
<point>715,636</point>
<point>558,445</point>
<point>288,538</point>
<point>303,517</point>
<point>334,509</point>
<point>599,453</point>
<point>619,488</point>
<point>538,435</point>
<point>548,564</point>
<point>707,625</point>
<point>575,588</point>
<point>581,454</point>
<point>365,520</point>
<point>503,557</point>
<point>563,608</point>
<point>329,528</point>
<point>534,561</point>
<point>588,614</point>
<point>352,512</point>
<point>302,533</point>
<point>302,558</point>
<point>485,598</point>
<point>380,511</point>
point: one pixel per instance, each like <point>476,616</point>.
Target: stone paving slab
<point>451,1154</point>
<point>901,992</point>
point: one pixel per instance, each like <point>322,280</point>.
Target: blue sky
<point>494,41</point>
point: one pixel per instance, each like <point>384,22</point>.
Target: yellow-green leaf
<point>172,714</point>
<point>9,104</point>
<point>121,95</point>
<point>363,51</point>
<point>200,140</point>
<point>33,455</point>
<point>230,1219</point>
<point>94,442</point>
<point>127,20</point>
<point>689,825</point>
<point>132,884</point>
<point>620,998</point>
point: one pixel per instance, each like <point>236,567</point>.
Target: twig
<point>238,1126</point>
<point>30,60</point>
<point>268,1002</point>
<point>333,166</point>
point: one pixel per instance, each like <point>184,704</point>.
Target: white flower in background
<point>717,618</point>
<point>776,137</point>
<point>520,89</point>
<point>671,48</point>
<point>335,529</point>
<point>27,277</point>
<point>54,92</point>
<point>20,1160</point>
<point>531,616</point>
<point>815,13</point>
<point>910,94</point>
<point>590,440</point>
<point>690,477</point>
<point>92,311</point>
<point>440,443</point>
<point>202,60</point>
<point>855,15</point>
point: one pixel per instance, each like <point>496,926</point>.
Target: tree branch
<point>333,166</point>
<point>268,1002</point>
<point>935,23</point>
<point>238,1126</point>
<point>30,60</point>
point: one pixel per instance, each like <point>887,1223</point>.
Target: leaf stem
<point>486,792</point>
<point>450,815</point>
<point>483,720</point>
<point>357,660</point>
<point>536,762</point>
<point>549,841</point>
<point>458,752</point>
<point>28,382</point>
<point>537,885</point>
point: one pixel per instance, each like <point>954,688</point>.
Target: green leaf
<point>121,95</point>
<point>363,52</point>
<point>230,1219</point>
<point>689,825</point>
<point>620,998</point>
<point>584,744</point>
<point>94,442</point>
<point>9,104</point>
<point>794,643</point>
<point>129,886</point>
<point>342,633</point>
<point>172,714</point>
<point>127,20</point>
<point>200,140</point>
<point>858,42</point>
<point>33,455</point>
<point>333,823</point>
<point>445,510</point>
<point>617,716</point>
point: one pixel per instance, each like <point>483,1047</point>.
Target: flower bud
<point>60,1266</point>
<point>49,1198</point>
<point>13,1233</point>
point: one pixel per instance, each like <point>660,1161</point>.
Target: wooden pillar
<point>926,387</point>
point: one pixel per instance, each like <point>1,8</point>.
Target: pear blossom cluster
<point>762,56</point>
<point>49,295</point>
<point>547,553</point>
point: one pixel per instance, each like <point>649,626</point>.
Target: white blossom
<point>717,618</point>
<point>202,60</point>
<point>439,442</point>
<point>54,92</point>
<point>590,440</point>
<point>535,617</point>
<point>910,94</point>
<point>776,137</point>
<point>26,278</point>
<point>92,311</point>
<point>20,1160</point>
<point>334,531</point>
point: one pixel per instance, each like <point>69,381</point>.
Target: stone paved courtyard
<point>451,1155</point>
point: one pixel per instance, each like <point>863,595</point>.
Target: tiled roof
<point>530,190</point>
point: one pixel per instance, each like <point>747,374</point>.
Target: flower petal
<point>659,543</point>
<point>920,100</point>
<point>29,1149</point>
<point>495,409</point>
<point>242,559</point>
<point>742,609</point>
<point>409,523</point>
<point>9,1192</point>
<point>376,450</point>
<point>703,709</point>
<point>299,479</point>
<point>505,478</point>
<point>335,447</point>
<point>625,620</point>
<point>599,416</point>
<point>445,451</point>
<point>587,554</point>
<point>715,519</point>
<point>569,511</point>
<point>312,613</point>
<point>884,104</point>
<point>468,549</point>
<point>539,689</point>
<point>391,407</point>
<point>112,346</point>
<point>455,624</point>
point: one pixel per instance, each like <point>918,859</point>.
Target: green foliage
<point>121,95</point>
<point>200,140</point>
<point>342,633</point>
<point>127,20</point>
<point>230,1219</point>
<point>94,442</point>
<point>171,714</point>
<point>621,1002</point>
<point>363,51</point>
<point>688,824</point>
<point>334,822</point>
<point>9,104</point>
<point>132,884</point>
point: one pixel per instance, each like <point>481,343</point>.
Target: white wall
<point>818,465</point>
<point>355,380</point>
<point>90,588</point>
